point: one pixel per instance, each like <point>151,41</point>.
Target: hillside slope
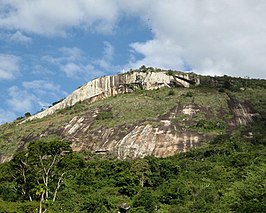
<point>174,116</point>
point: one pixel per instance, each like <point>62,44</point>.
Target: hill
<point>143,112</point>
<point>198,146</point>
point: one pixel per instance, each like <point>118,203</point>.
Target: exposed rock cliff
<point>129,141</point>
<point>107,86</point>
<point>170,135</point>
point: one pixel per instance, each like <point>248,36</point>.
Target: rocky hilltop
<point>139,113</point>
<point>107,86</point>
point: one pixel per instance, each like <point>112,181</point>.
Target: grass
<point>211,99</point>
<point>136,107</point>
<point>255,96</point>
<point>12,134</point>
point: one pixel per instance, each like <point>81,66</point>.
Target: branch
<point>46,179</point>
<point>43,179</point>
<point>41,201</point>
<point>24,176</point>
<point>25,182</point>
<point>51,165</point>
<point>25,164</point>
<point>43,167</point>
<point>60,180</point>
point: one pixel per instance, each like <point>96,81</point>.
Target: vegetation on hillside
<point>228,174</point>
<point>130,109</point>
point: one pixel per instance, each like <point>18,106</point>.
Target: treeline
<point>228,175</point>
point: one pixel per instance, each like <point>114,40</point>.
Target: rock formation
<point>107,86</point>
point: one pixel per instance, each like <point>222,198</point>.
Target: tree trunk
<point>41,201</point>
<point>59,182</point>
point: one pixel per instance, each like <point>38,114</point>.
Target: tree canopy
<point>229,175</point>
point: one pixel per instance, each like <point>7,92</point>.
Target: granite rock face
<point>138,141</point>
<point>107,86</point>
<point>132,141</point>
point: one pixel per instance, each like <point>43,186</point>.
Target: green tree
<point>22,174</point>
<point>39,168</point>
<point>27,114</point>
<point>147,199</point>
<point>142,170</point>
<point>97,203</point>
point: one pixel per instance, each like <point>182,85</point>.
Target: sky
<point>48,48</point>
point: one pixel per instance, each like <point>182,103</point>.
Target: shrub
<point>171,93</point>
<point>171,72</point>
<point>213,124</point>
<point>189,94</point>
<point>147,199</point>
<point>104,115</point>
<point>27,114</point>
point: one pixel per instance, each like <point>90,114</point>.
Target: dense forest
<point>229,175</point>
<point>226,174</point>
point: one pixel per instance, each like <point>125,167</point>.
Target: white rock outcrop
<point>146,141</point>
<point>107,86</point>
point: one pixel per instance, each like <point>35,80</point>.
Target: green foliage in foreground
<point>229,175</point>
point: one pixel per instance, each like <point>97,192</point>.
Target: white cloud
<point>44,88</point>
<point>9,66</point>
<point>108,51</point>
<point>64,55</point>
<point>75,64</point>
<point>71,61</point>
<point>20,37</point>
<point>158,53</point>
<point>211,37</point>
<point>17,37</point>
<point>49,17</point>
<point>33,95</point>
<point>20,100</point>
<point>39,69</point>
<point>71,54</point>
<point>79,70</point>
<point>106,61</point>
<point>218,37</point>
<point>6,116</point>
<point>73,70</point>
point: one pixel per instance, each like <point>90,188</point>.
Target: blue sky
<point>48,48</point>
